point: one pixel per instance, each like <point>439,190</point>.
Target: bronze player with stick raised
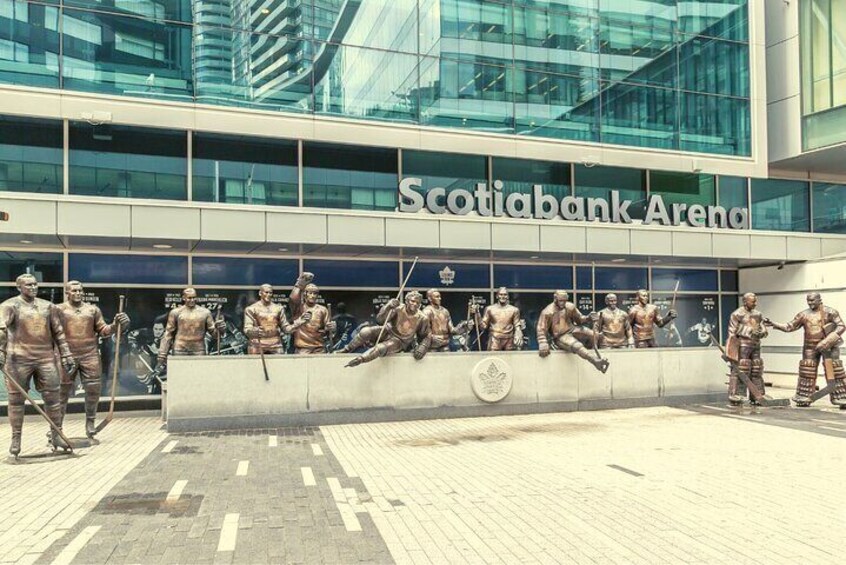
<point>313,336</point>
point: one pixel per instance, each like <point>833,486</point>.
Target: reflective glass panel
<point>550,277</point>
<point>445,170</point>
<point>174,10</point>
<point>728,281</point>
<point>466,29</point>
<point>598,182</point>
<point>233,67</point>
<point>520,175</point>
<point>638,53</point>
<point>530,304</point>
<point>683,188</point>
<point>780,205</point>
<point>126,55</point>
<point>639,116</point>
<point>698,317</point>
<point>728,304</point>
<point>128,162</point>
<point>584,278</point>
<point>373,274</point>
<point>713,66</point>
<point>128,269</point>
<point>47,267</point>
<point>726,19</point>
<point>389,25</point>
<point>558,106</point>
<point>245,170</point>
<point>232,271</point>
<point>715,124</point>
<point>344,176</point>
<point>620,278</point>
<point>733,192</point>
<point>344,83</point>
<point>448,275</point>
<point>30,155</point>
<point>556,41</point>
<point>466,94</point>
<point>29,44</point>
<point>829,208</point>
<point>688,279</point>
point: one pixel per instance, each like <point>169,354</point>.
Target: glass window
<point>714,66</point>
<point>556,39</point>
<point>556,105</point>
<point>780,205</point>
<point>520,176</point>
<point>448,275</point>
<point>174,10</point>
<point>733,192</point>
<point>823,36</point>
<point>30,155</point>
<point>715,124</point>
<point>829,207</point>
<point>231,271</point>
<point>728,304</point>
<point>688,279</point>
<point>726,19</point>
<point>728,281</point>
<point>584,278</point>
<point>551,277</point>
<point>620,278</point>
<point>598,182</point>
<point>47,267</point>
<point>639,116</point>
<point>238,68</point>
<point>376,274</point>
<point>126,55</point>
<point>467,28</point>
<point>633,52</point>
<point>698,317</point>
<point>245,170</point>
<point>445,170</point>
<point>29,44</point>
<point>388,25</point>
<point>466,94</point>
<point>683,188</point>
<point>531,304</point>
<point>344,176</point>
<point>128,269</point>
<point>128,162</point>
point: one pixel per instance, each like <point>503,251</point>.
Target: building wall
<point>784,100</point>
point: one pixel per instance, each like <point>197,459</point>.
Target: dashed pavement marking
<point>243,468</point>
<point>228,532</point>
<point>68,553</point>
<point>176,491</point>
<point>169,447</point>
<point>831,429</point>
<point>272,441</point>
<point>316,449</point>
<point>308,476</point>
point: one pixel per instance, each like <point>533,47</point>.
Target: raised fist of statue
<point>304,279</point>
<point>543,350</point>
<point>393,303</point>
<point>122,319</point>
<point>69,365</point>
<point>672,314</point>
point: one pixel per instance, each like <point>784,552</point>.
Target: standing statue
<point>315,335</point>
<point>83,324</point>
<point>440,322</point>
<point>643,317</point>
<point>400,326</point>
<point>743,350</point>
<point>265,322</point>
<point>503,322</point>
<point>30,329</point>
<point>562,321</point>
<point>612,326</point>
<point>186,330</point>
<point>823,328</point>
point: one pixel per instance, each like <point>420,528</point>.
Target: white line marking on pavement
<point>337,489</point>
<point>351,522</point>
<point>721,409</point>
<point>69,552</point>
<point>228,533</point>
<point>272,441</point>
<point>169,447</point>
<point>832,422</point>
<point>243,467</point>
<point>829,428</point>
<point>316,449</point>
<point>308,477</point>
<point>176,491</point>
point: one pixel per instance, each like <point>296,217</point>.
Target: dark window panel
<point>47,267</point>
<point>829,207</point>
<point>128,269</point>
<point>620,278</point>
<point>688,279</point>
<point>447,275</point>
<point>534,276</point>
<point>683,188</point>
<point>733,192</point>
<point>584,278</point>
<point>519,175</point>
<point>345,176</point>
<point>327,272</point>
<point>728,281</point>
<point>230,271</point>
<point>30,155</point>
<point>780,205</point>
<point>599,181</point>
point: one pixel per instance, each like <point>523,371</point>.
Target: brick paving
<point>703,484</point>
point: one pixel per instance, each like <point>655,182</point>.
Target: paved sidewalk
<point>706,484</point>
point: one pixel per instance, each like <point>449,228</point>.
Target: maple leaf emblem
<point>447,276</point>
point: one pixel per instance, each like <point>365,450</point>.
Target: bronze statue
<point>440,322</point>
<point>30,329</point>
<point>823,328</point>
<point>612,326</point>
<point>503,322</point>
<point>562,320</point>
<point>83,324</point>
<point>400,326</point>
<point>313,336</point>
<point>265,322</point>
<point>643,317</point>
<point>743,350</point>
<point>186,329</point>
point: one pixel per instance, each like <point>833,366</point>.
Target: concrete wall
<point>784,101</point>
<point>781,294</point>
<point>220,392</point>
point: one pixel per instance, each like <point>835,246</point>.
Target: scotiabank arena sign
<point>486,202</point>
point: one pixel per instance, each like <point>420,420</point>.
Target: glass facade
<point>781,205</point>
<point>598,182</point>
<point>667,74</point>
<point>829,207</point>
<point>30,155</point>
<point>683,188</point>
<point>343,176</point>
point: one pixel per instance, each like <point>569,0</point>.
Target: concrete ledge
<point>212,393</point>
